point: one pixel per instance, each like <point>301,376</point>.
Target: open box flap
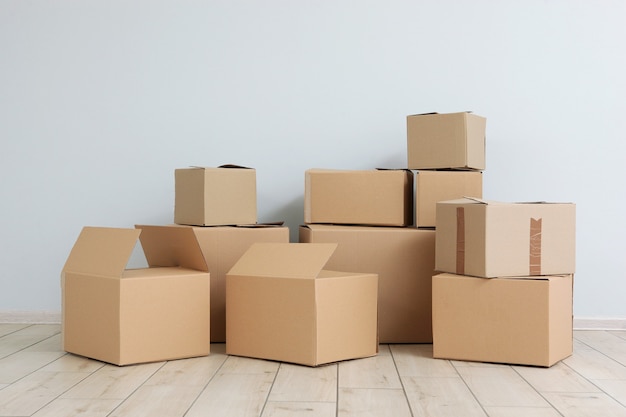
<point>286,260</point>
<point>102,251</point>
<point>171,246</point>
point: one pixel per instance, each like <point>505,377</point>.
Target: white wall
<point>101,100</point>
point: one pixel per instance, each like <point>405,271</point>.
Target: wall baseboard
<point>54,317</point>
<point>31,317</point>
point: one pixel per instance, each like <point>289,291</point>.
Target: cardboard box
<point>365,197</point>
<point>494,239</point>
<point>403,258</point>
<point>127,316</point>
<point>281,305</point>
<point>222,247</point>
<point>453,140</point>
<point>522,321</point>
<point>434,186</point>
<point>225,195</point>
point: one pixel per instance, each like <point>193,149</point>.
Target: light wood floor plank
<point>302,383</point>
<point>417,360</point>
<point>243,365</point>
<point>158,400</point>
<point>440,397</point>
<point>299,409</point>
<point>187,372</point>
<point>50,344</point>
<point>8,328</point>
<point>585,405</point>
<point>26,337</point>
<point>619,333</point>
<point>522,412</point>
<point>64,407</point>
<point>113,382</point>
<point>558,378</point>
<point>73,363</point>
<point>368,402</point>
<point>228,395</point>
<point>500,386</point>
<point>615,388</point>
<point>376,372</point>
<point>604,342</point>
<point>593,364</point>
<point>20,364</point>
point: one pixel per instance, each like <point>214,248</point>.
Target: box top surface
<point>284,260</point>
<point>105,251</point>
<point>225,166</point>
<point>474,200</point>
<point>524,278</point>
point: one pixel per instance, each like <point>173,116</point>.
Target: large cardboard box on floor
<point>222,247</point>
<point>224,195</point>
<point>434,186</point>
<point>495,239</point>
<point>365,197</point>
<point>126,316</point>
<point>452,140</point>
<point>403,258</point>
<point>282,305</point>
<point>523,321</point>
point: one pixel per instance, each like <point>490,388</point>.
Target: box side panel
<point>561,318</point>
<point>230,197</point>
<point>404,261</point>
<point>189,196</point>
<point>222,247</point>
<point>476,130</point>
<point>490,320</point>
<point>347,324</point>
<point>164,317</point>
<point>271,318</point>
<point>434,186</point>
<point>436,141</point>
<point>91,316</point>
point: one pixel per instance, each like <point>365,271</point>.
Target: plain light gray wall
<point>101,100</point>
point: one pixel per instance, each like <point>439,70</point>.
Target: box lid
<point>171,246</point>
<point>102,251</point>
<point>284,260</point>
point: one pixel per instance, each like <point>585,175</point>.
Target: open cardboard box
<point>224,195</point>
<point>282,305</point>
<point>494,239</point>
<point>514,320</point>
<point>126,316</point>
<point>380,197</point>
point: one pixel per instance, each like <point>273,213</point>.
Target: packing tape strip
<point>460,240</point>
<point>535,247</point>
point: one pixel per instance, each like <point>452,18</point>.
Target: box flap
<point>289,260</point>
<point>171,246</point>
<point>102,251</point>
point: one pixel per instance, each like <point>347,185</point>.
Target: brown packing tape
<point>460,240</point>
<point>535,247</point>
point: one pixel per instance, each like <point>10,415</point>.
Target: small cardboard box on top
<point>366,197</point>
<point>513,320</point>
<point>281,305</point>
<point>494,239</point>
<point>222,246</point>
<point>403,258</point>
<point>446,141</point>
<point>225,195</point>
<point>434,186</point>
<point>127,316</point>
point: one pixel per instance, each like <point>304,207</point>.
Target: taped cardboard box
<point>446,141</point>
<point>364,197</point>
<point>519,320</point>
<point>282,305</point>
<point>225,195</point>
<point>222,246</point>
<point>494,239</point>
<point>404,260</point>
<point>127,316</point>
<point>434,186</point>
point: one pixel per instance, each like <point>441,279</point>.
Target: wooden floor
<point>38,379</point>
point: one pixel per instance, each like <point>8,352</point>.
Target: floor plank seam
<point>395,365</point>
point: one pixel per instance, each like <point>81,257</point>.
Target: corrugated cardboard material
<point>403,258</point>
<point>524,321</point>
<point>281,305</point>
<point>222,247</point>
<point>127,316</point>
<point>440,141</point>
<point>220,196</point>
<point>494,239</point>
<point>365,197</point>
<point>434,186</point>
